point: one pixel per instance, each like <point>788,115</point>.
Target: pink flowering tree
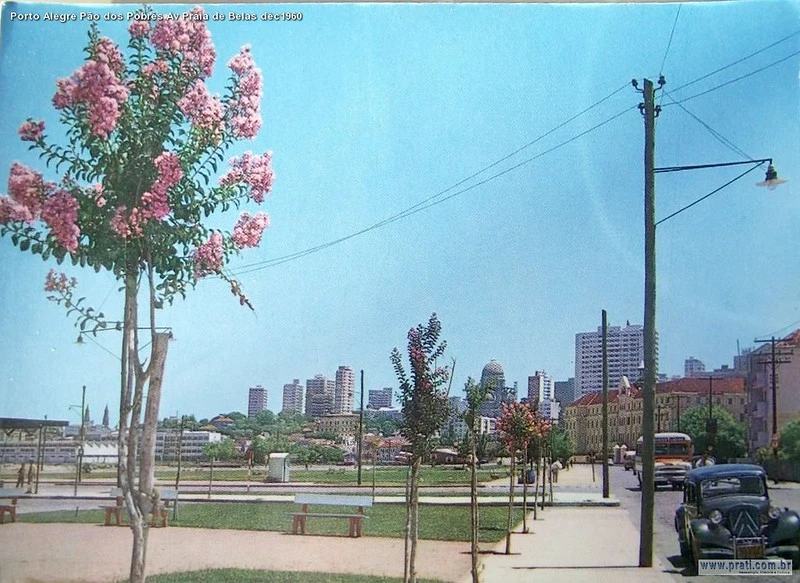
<point>127,186</point>
<point>423,396</point>
<point>517,426</point>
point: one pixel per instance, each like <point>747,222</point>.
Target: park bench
<point>354,518</point>
<point>160,512</point>
<point>10,494</point>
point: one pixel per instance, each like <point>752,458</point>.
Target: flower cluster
<point>203,109</point>
<point>26,188</point>
<point>139,29</point>
<point>59,282</point>
<point>99,195</point>
<point>127,224</point>
<point>244,109</point>
<point>96,86</point>
<point>106,51</point>
<point>60,212</point>
<point>253,170</point>
<point>208,257</point>
<point>187,38</point>
<point>31,131</point>
<point>247,231</point>
<point>518,425</point>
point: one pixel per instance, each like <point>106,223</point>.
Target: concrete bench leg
<point>12,511</point>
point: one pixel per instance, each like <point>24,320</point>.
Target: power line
<point>739,78</point>
<point>736,62</point>
<point>432,200</point>
<point>669,43</point>
<point>722,139</point>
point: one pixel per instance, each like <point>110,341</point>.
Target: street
<point>665,544</point>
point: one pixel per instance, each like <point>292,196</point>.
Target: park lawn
<point>251,576</point>
<point>437,522</point>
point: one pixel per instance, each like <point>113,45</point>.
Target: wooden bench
<point>115,510</point>
<point>168,497</point>
<point>159,515</point>
<point>10,494</point>
<point>354,518</point>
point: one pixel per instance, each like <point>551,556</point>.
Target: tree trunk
<point>407,527</point>
<point>535,465</point>
<point>510,524</point>
<point>525,489</point>
<point>544,478</point>
<point>210,477</point>
<point>412,557</point>
<point>473,498</point>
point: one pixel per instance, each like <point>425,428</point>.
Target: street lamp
<point>650,111</point>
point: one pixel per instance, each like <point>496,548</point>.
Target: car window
<point>732,485</point>
<point>672,449</point>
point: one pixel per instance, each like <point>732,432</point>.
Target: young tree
<point>143,138</point>
<point>790,441</point>
<point>476,396</point>
<point>517,425</point>
<point>730,441</point>
<point>425,409</point>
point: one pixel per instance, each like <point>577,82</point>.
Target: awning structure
<point>9,425</point>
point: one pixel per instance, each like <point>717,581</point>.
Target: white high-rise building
<point>293,397</point>
<point>540,387</point>
<point>320,393</point>
<point>343,391</point>
<point>625,346</point>
<point>380,398</point>
<point>693,367</point>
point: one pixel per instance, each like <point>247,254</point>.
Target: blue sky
<point>370,109</point>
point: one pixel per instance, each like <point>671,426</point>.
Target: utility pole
<point>605,403</point>
<point>649,110</point>
<point>360,427</point>
<point>678,397</point>
<point>658,417</point>
<point>775,358</point>
<point>83,433</point>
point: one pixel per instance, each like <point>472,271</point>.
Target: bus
<point>673,458</point>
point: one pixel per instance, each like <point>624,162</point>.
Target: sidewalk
<point>572,545</point>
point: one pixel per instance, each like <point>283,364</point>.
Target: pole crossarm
<point>714,165</point>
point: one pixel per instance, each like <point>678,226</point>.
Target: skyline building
<point>343,390</point>
<point>540,387</point>
<point>693,367</point>
<point>625,346</point>
<point>293,397</point>
<point>320,393</point>
<point>256,400</point>
<point>379,398</point>
<point>494,376</point>
<point>564,391</point>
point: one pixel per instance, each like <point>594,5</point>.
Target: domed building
<point>493,375</point>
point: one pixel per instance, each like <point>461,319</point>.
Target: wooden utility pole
<point>649,111</point>
<point>605,403</point>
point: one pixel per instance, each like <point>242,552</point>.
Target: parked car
<point>726,514</point>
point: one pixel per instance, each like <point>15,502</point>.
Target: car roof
<point>725,470</point>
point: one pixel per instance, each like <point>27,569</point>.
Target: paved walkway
<point>67,553</point>
<point>572,545</point>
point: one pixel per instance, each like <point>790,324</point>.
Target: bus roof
<point>668,436</point>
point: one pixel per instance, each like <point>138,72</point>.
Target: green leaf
<point>36,248</point>
<point>24,244</point>
<point>15,239</point>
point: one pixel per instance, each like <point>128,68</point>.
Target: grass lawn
<point>248,576</point>
<point>384,476</point>
<point>436,522</point>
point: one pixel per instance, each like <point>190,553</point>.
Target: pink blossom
<point>208,257</point>
<point>255,171</point>
<point>169,169</point>
<point>59,282</point>
<point>106,51</point>
<point>203,109</point>
<point>96,86</point>
<point>139,29</point>
<point>155,205</point>
<point>31,131</point>
<point>244,118</point>
<point>159,66</point>
<point>188,38</point>
<point>155,202</point>
<point>99,195</point>
<point>247,231</point>
<point>27,190</point>
<point>60,212</point>
<point>126,224</point>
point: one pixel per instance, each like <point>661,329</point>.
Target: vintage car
<point>726,514</point>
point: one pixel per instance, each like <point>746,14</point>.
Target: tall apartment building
<point>625,347</point>
<point>540,387</point>
<point>343,391</point>
<point>494,376</point>
<point>257,400</point>
<point>564,392</point>
<point>293,397</point>
<point>693,367</point>
<point>320,393</point>
<point>380,398</point>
